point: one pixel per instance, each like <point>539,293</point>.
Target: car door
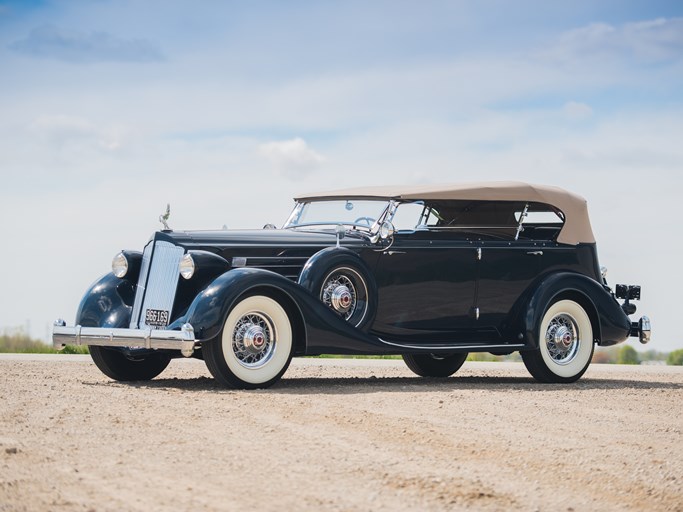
<point>506,269</point>
<point>426,284</point>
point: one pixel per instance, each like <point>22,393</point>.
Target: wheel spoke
<point>562,339</point>
<point>339,294</point>
<point>253,340</point>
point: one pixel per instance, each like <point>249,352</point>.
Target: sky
<point>109,110</point>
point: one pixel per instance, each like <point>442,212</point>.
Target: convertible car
<point>430,273</point>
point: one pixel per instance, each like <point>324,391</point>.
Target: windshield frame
<point>364,228</point>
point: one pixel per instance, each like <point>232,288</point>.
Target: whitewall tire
<point>255,346</point>
<point>565,344</point>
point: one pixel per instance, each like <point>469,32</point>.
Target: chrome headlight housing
<point>186,267</point>
<point>119,265</point>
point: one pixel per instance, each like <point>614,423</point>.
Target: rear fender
<point>610,324</point>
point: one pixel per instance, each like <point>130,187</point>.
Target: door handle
<point>394,252</point>
<point>535,253</point>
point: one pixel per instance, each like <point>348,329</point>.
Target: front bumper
<point>182,340</point>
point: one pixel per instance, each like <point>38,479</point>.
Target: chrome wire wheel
<point>255,346</point>
<point>562,338</point>
<point>345,292</point>
<point>565,344</point>
<point>339,294</point>
<point>254,340</point>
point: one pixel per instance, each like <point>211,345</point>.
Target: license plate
<point>156,317</point>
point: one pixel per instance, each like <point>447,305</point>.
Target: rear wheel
<point>118,366</point>
<point>255,346</point>
<point>565,344</point>
<point>432,365</point>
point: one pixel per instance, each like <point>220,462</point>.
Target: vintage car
<point>430,273</point>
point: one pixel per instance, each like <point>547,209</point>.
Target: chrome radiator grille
<point>158,281</point>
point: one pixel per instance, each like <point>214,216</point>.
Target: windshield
<point>361,213</point>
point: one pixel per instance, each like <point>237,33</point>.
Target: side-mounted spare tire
<point>344,283</point>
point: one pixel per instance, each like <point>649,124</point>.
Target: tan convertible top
<point>576,229</point>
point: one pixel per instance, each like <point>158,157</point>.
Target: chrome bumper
<point>643,329</point>
<point>182,340</point>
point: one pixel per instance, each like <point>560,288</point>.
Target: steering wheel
<point>368,220</point>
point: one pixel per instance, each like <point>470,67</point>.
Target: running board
<point>440,347</point>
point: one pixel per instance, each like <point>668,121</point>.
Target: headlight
<point>119,265</point>
<point>186,266</point>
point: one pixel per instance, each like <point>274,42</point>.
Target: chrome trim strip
<point>450,347</point>
<point>142,284</point>
<point>182,340</point>
<point>469,226</point>
<point>259,258</point>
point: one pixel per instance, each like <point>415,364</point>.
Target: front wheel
<point>118,366</point>
<point>565,344</point>
<point>255,346</point>
<point>432,365</point>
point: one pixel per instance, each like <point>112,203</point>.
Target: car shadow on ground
<point>360,385</point>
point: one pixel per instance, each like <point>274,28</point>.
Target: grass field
<point>19,343</point>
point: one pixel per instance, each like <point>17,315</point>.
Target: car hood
<point>257,237</point>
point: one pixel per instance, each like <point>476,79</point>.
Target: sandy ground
<point>339,435</point>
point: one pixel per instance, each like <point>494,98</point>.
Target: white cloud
<point>294,158</point>
<point>577,111</point>
<point>655,40</point>
<point>51,42</point>
<point>62,126</point>
<point>63,131</point>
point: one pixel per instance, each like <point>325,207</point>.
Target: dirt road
<point>339,435</point>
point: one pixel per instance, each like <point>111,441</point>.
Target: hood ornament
<point>164,217</point>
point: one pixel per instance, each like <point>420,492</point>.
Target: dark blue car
<point>428,272</point>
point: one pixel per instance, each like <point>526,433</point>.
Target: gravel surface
<point>339,435</point>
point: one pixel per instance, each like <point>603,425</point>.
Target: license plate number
<point>156,317</point>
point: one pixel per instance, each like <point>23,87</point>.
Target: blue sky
<point>228,109</point>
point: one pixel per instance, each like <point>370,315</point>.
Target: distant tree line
<point>626,354</point>
<point>17,341</point>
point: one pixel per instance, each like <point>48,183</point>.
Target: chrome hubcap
<point>339,294</point>
<point>562,339</point>
<point>341,298</point>
<point>253,340</point>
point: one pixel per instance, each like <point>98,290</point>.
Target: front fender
<point>211,306</point>
<point>107,303</point>
<point>610,324</point>
<point>322,330</point>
